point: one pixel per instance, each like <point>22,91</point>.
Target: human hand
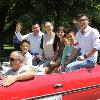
<point>2,77</point>
<point>9,80</point>
<point>18,28</point>
<point>66,62</point>
<point>60,69</point>
<point>61,66</point>
<point>80,58</point>
<point>34,58</point>
<point>41,58</point>
<point>54,63</point>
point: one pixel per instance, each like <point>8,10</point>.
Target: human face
<point>83,22</point>
<point>36,29</point>
<point>14,61</point>
<point>48,27</point>
<point>70,35</point>
<point>60,34</point>
<point>25,47</point>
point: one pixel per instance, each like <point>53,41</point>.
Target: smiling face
<point>69,35</point>
<point>25,47</point>
<point>83,22</point>
<point>36,29</point>
<point>60,33</point>
<point>48,27</point>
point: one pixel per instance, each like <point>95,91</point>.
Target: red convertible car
<point>83,84</point>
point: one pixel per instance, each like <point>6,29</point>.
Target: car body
<point>82,84</point>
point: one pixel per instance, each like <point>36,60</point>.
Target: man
<point>88,43</point>
<point>16,41</point>
<point>18,71</point>
<point>35,39</point>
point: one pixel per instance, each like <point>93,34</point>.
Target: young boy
<point>25,45</point>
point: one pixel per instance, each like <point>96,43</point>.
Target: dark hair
<point>59,28</point>
<point>26,41</point>
<point>68,31</point>
<point>81,15</point>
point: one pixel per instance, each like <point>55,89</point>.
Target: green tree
<point>61,12</point>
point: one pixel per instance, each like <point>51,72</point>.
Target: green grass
<point>4,54</point>
<point>7,47</point>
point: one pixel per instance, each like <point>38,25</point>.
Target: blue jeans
<point>79,64</point>
<point>45,63</point>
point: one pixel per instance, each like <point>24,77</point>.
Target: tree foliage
<point>61,12</point>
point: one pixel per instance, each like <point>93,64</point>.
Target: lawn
<point>4,54</point>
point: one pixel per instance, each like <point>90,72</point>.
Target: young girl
<point>69,41</point>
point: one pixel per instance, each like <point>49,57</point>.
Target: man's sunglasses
<point>12,59</point>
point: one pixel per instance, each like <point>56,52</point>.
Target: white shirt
<point>88,41</point>
<point>34,41</point>
<point>28,59</point>
<point>48,45</point>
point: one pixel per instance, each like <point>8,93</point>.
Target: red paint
<point>44,84</point>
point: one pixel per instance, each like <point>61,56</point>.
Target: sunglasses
<point>12,59</point>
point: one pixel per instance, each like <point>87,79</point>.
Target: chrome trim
<point>65,92</point>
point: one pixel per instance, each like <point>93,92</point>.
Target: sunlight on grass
<point>8,46</point>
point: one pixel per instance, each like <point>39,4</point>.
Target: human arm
<point>88,54</point>
<point>21,37</point>
<point>10,79</point>
<point>95,45</point>
<point>18,33</point>
<point>73,54</point>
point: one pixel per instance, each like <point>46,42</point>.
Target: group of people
<point>52,51</point>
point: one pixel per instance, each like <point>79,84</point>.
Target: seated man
<point>18,71</point>
<point>88,43</point>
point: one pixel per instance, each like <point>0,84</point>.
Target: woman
<point>49,45</point>
<point>60,31</point>
<point>69,41</point>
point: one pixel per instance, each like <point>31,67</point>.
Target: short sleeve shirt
<point>22,69</point>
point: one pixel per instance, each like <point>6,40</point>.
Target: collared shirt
<point>34,41</point>
<point>28,59</point>
<point>88,41</point>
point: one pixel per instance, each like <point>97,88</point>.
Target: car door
<point>50,87</point>
<point>41,87</point>
<point>82,84</point>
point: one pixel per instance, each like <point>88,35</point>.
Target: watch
<point>85,56</point>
